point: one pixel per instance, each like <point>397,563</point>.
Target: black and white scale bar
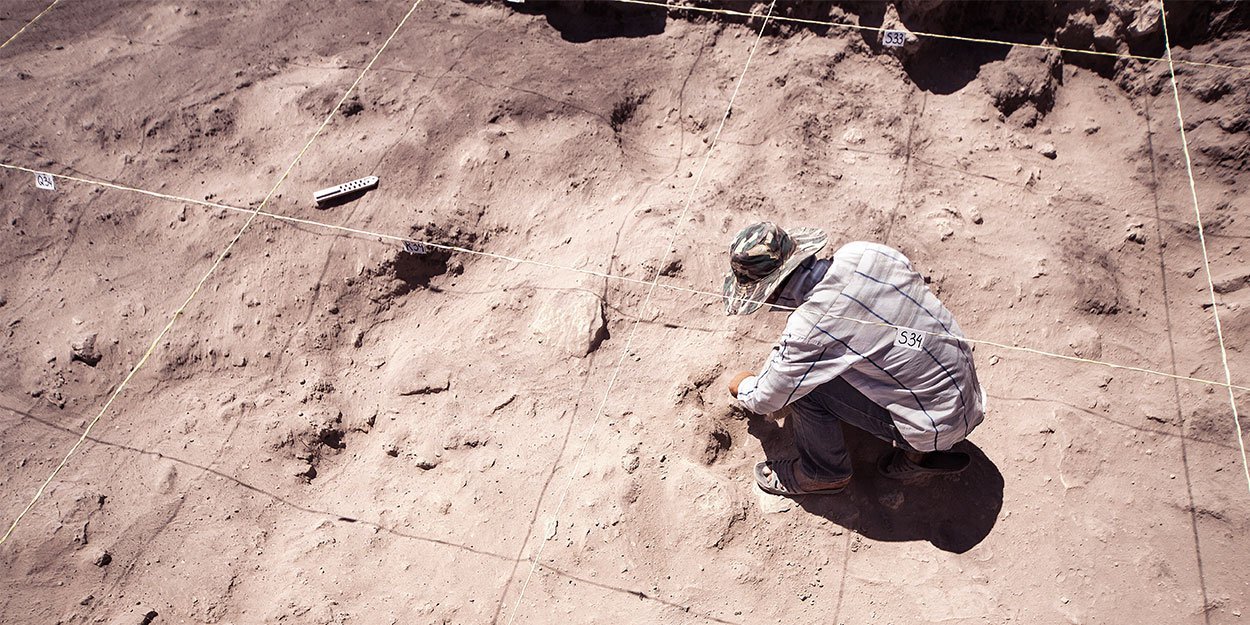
<point>345,189</point>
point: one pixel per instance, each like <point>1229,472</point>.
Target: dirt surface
<point>339,431</point>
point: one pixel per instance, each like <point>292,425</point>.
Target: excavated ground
<point>341,431</point>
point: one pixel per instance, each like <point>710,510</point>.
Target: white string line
<point>610,276</point>
<point>203,279</point>
<point>32,21</point>
<point>654,282</point>
<point>1206,262</point>
<point>918,33</point>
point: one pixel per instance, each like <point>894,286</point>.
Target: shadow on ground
<point>581,22</point>
<point>954,513</point>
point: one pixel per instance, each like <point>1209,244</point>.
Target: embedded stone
<point>83,349</point>
<point>571,322</point>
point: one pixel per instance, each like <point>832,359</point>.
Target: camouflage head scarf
<point>761,256</point>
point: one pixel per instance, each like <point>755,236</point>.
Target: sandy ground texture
<point>337,430</point>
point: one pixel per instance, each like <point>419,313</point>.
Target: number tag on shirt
<point>910,339</point>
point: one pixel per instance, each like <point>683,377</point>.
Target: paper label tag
<point>893,38</point>
<point>45,181</point>
<point>415,247</point>
<point>910,339</point>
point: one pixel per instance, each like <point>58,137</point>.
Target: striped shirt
<point>930,388</point>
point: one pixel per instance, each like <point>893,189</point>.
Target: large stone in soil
<point>83,349</point>
<point>571,322</point>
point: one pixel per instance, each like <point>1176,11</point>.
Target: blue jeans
<point>817,419</point>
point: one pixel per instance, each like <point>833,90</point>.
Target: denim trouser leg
<point>817,423</point>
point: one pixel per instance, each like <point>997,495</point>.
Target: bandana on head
<point>759,251</point>
<point>760,257</point>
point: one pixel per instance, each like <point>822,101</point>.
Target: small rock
<point>1078,32</point>
<point>83,349</point>
<point>773,504</point>
<point>1147,22</point>
<point>425,463</point>
<point>1048,150</point>
<point>630,463</point>
<point>103,559</point>
<point>3,300</point>
<point>553,527</point>
<point>358,338</point>
<point>1136,234</point>
<point>975,214</point>
<point>1105,35</point>
<point>891,500</point>
<point>572,322</point>
<point>422,382</point>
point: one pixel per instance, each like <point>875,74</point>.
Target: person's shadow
<point>954,512</point>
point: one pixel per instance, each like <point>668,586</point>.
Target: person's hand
<point>737,379</point>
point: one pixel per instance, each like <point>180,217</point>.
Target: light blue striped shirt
<point>927,382</point>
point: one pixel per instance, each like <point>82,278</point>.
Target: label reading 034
<point>910,339</point>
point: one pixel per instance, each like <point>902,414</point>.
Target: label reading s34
<point>910,339</point>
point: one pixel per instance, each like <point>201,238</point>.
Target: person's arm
<point>793,369</point>
<point>769,390</point>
